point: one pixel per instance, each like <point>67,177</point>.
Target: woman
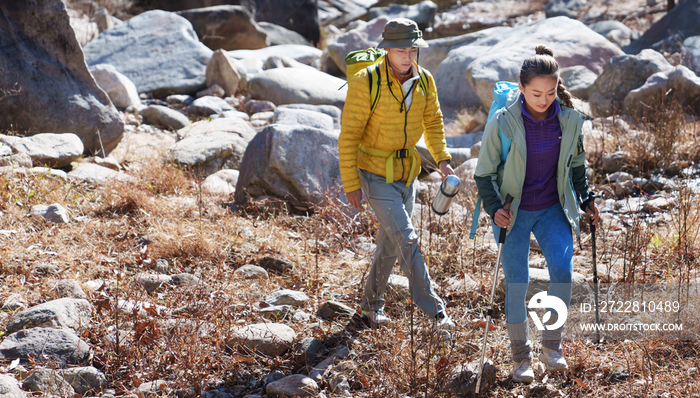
<point>545,161</point>
<point>378,156</point>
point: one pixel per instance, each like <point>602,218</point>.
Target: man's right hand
<point>502,218</point>
<point>355,198</point>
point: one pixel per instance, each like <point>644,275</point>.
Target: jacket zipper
<point>405,140</point>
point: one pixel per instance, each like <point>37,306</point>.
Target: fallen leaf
<point>482,324</point>
<point>582,384</point>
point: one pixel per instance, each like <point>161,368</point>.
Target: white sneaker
<point>522,372</point>
<point>444,321</point>
<point>378,318</point>
<point>554,360</point>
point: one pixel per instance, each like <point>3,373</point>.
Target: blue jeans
<point>553,233</point>
<point>396,239</point>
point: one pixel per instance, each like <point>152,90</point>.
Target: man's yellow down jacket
<point>388,129</point>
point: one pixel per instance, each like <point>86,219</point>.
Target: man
<point>378,156</point>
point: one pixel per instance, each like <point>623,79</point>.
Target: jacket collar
<point>513,108</point>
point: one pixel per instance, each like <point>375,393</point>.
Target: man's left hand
<point>446,169</point>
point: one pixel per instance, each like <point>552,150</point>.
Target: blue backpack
<point>500,96</point>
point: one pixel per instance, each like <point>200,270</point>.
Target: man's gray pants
<point>396,239</point>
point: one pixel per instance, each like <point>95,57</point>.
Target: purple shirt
<point>543,139</point>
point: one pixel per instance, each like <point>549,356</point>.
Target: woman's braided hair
<point>544,64</point>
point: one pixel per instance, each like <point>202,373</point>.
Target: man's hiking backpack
<point>369,58</point>
<point>500,96</point>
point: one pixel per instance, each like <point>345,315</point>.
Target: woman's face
<point>401,59</point>
<point>539,95</point>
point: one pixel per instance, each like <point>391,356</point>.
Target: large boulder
<point>615,31</point>
<point>52,150</point>
<point>679,84</point>
<point>212,145</point>
<point>682,19</point>
<point>118,87</point>
<point>303,117</point>
<point>164,117</point>
<point>578,80</point>
<point>61,313</point>
<point>365,35</point>
<point>279,162</point>
<point>50,88</point>
<point>298,85</point>
<point>564,8</point>
<point>9,387</point>
<point>691,53</point>
<point>226,27</point>
<point>277,35</point>
<point>572,42</point>
<point>158,50</point>
<point>45,345</point>
<point>422,13</point>
<point>304,54</point>
<point>432,57</point>
<point>330,110</point>
<point>622,74</point>
<point>222,70</point>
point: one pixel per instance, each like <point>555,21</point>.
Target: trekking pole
<point>595,283</point>
<point>489,313</point>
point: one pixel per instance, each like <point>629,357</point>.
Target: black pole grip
<point>506,207</point>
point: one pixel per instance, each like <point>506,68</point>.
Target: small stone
<point>49,382</point>
<point>255,106</point>
<point>107,162</point>
<point>277,311</point>
<point>332,309</point>
<point>287,297</point>
<point>180,99</point>
<point>272,339</point>
<point>9,387</point>
<point>68,288</point>
<point>301,316</point>
<point>162,266</point>
<point>151,282</point>
<point>274,376</point>
<point>84,379</point>
<point>293,386</point>
<point>214,91</point>
<point>154,387</point>
<point>70,313</point>
<point>45,345</point>
<point>54,213</point>
<point>310,349</point>
<point>277,265</point>
<point>251,271</point>
<point>267,117</point>
<point>185,279</point>
<point>462,380</point>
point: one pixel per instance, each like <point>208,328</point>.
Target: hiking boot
<point>378,318</point>
<point>444,321</point>
<point>522,372</point>
<point>554,360</point>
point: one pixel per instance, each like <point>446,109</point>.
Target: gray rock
<point>45,345</point>
<point>84,379</point>
<point>277,163</point>
<point>227,27</point>
<point>207,106</point>
<point>162,266</point>
<point>151,282</point>
<point>85,30</point>
<point>180,99</point>
<point>52,150</point>
<point>691,53</point>
<point>210,146</point>
<point>47,268</point>
<point>104,20</point>
<point>277,312</point>
<point>339,385</point>
<point>615,161</point>
<point>223,182</point>
<point>70,313</point>
<point>620,176</point>
<point>365,35</point>
<point>438,49</point>
<point>502,61</point>
<point>615,31</point>
<point>273,377</point>
<point>679,84</point>
<point>222,70</point>
<point>159,51</point>
<point>287,297</point>
<point>118,87</point>
<point>330,110</point>
<point>422,13</point>
<point>277,265</point>
<point>232,114</point>
<point>48,381</point>
<point>319,371</point>
<point>621,75</point>
<point>16,160</point>
<point>9,387</point>
<point>255,106</point>
<point>213,90</point>
<point>564,8</point>
<point>154,387</point>
<point>277,35</point>
<point>68,288</point>
<point>295,85</point>
<point>163,116</point>
<point>311,349</point>
<point>97,174</point>
<point>268,338</point>
<point>301,116</point>
<point>57,93</point>
<point>332,310</point>
<point>293,386</point>
<point>682,19</point>
<point>461,381</point>
<point>185,279</point>
<point>578,80</point>
<point>54,213</point>
<point>278,61</point>
<point>304,54</point>
<point>251,271</point>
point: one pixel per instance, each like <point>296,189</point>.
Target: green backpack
<point>369,58</point>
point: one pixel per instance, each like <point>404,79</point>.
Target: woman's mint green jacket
<point>496,179</point>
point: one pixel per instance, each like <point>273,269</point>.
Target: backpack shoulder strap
<point>424,80</point>
<point>375,82</point>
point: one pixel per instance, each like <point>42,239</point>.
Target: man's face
<point>401,59</point>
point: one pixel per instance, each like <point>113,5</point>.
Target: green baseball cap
<point>402,33</point>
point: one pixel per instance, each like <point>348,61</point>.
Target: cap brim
<point>405,43</point>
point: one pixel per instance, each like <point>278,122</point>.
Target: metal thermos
<point>448,190</point>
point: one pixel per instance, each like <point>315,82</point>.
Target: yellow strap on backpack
<point>390,156</point>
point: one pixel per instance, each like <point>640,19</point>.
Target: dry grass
<point>121,229</point>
